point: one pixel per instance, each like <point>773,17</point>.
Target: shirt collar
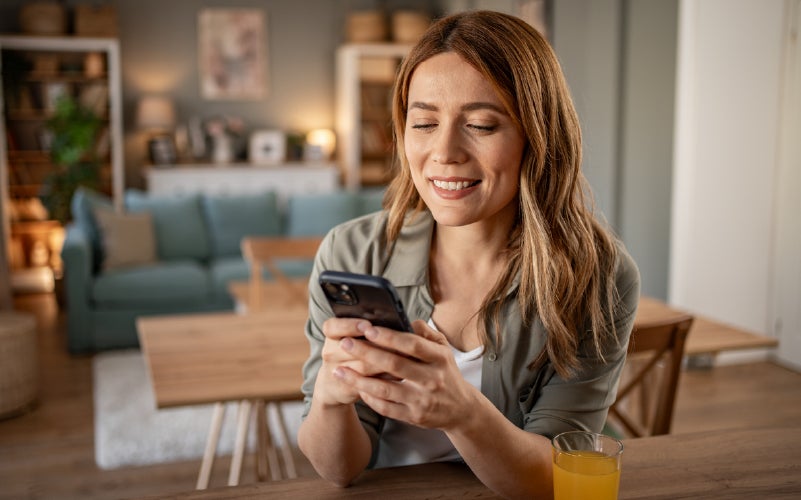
<point>408,260</point>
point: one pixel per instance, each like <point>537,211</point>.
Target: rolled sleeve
<point>319,311</point>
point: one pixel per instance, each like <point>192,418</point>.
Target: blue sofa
<point>197,249</point>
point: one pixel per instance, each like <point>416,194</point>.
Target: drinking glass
<point>586,465</point>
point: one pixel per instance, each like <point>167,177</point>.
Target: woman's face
<point>464,151</point>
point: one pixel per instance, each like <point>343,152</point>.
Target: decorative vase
<point>222,149</point>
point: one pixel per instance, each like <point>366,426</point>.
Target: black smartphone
<point>364,296</point>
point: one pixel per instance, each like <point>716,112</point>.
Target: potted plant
<point>73,130</point>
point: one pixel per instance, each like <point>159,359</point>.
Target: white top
<point>405,444</point>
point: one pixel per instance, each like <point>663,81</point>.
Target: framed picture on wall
<point>233,53</point>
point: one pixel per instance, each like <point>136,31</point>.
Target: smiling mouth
<point>454,185</point>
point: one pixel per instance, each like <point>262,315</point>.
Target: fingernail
<point>367,329</point>
<point>346,343</point>
<point>339,372</point>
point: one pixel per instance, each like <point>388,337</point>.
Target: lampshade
<point>155,113</point>
<point>325,139</point>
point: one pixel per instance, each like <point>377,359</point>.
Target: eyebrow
<point>473,106</point>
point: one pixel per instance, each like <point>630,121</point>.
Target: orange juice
<point>581,475</point>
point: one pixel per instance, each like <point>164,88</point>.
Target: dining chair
<point>645,400</point>
<point>287,261</point>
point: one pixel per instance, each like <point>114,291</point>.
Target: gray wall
<point>620,60</point>
<point>644,201</point>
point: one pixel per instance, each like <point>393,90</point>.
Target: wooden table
<point>205,358</point>
<point>214,358</point>
<point>749,463</point>
<point>706,336</point>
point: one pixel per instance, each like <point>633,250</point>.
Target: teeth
<point>452,186</point>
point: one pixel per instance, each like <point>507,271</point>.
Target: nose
<point>447,147</point>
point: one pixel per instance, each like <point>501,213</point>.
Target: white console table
<point>243,178</point>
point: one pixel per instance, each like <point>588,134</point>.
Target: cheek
<point>412,149</point>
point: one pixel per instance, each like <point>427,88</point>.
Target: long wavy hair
<point>564,255</point>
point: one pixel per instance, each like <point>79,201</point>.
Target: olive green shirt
<point>538,401</point>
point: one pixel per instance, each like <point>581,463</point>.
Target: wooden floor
<point>49,451</point>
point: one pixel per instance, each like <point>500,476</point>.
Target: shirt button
<point>492,356</point>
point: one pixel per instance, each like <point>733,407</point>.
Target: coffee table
<point>254,358</point>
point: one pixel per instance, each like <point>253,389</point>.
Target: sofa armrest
<point>76,254</point>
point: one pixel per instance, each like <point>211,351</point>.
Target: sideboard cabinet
<point>234,179</point>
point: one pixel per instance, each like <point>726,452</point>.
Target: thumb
<point>422,329</point>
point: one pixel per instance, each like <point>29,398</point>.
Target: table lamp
<point>156,115</point>
<point>320,144</point>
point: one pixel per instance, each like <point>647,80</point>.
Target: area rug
<point>130,431</point>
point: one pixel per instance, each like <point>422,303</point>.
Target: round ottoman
<point>19,371</point>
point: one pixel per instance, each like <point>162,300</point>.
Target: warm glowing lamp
<point>156,115</point>
<point>320,144</point>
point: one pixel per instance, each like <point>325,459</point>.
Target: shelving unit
<point>35,72</point>
<point>365,75</point>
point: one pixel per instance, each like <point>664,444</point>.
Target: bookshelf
<point>365,76</point>
<point>36,71</point>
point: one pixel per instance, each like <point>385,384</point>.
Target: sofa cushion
<point>178,222</point>
<point>230,218</point>
<point>128,239</point>
<point>83,204</point>
<point>224,270</point>
<point>316,214</point>
<point>176,282</point>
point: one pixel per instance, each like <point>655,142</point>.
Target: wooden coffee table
<point>254,358</point>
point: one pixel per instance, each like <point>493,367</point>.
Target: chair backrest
<point>264,252</point>
<point>645,400</point>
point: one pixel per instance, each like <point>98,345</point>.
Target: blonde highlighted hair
<point>564,255</point>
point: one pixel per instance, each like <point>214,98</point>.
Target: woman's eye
<point>423,126</point>
<point>482,128</point>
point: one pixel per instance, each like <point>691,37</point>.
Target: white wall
<point>725,158</point>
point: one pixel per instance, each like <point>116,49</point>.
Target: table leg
<point>262,440</point>
<point>270,451</point>
<point>243,418</point>
<point>211,446</point>
<point>286,446</point>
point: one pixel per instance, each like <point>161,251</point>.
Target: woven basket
<point>19,371</point>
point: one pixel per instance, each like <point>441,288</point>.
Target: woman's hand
<point>424,387</point>
<point>340,333</point>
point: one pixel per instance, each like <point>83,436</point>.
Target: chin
<point>450,217</point>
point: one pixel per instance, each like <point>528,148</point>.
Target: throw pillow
<point>128,239</point>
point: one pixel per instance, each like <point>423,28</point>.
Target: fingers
<point>390,398</point>
<point>422,329</point>
<point>338,328</point>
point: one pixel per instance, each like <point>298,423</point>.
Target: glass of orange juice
<point>586,465</point>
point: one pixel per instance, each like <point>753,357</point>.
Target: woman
<point>523,301</point>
